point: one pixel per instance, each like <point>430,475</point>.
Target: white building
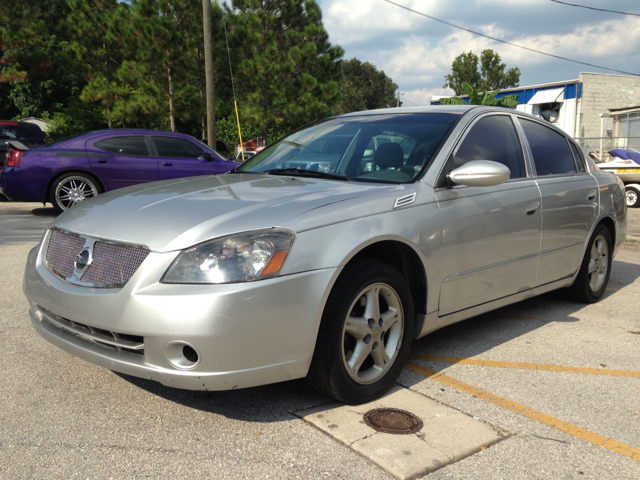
<point>577,106</point>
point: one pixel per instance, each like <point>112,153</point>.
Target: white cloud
<point>417,52</point>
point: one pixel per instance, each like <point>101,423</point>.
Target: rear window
<point>176,147</point>
<point>22,132</point>
<point>551,154</point>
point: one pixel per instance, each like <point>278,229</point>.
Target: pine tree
<point>287,68</point>
<point>99,46</point>
<point>161,32</point>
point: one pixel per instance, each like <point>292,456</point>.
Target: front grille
<point>62,252</point>
<point>118,341</point>
<point>112,266</point>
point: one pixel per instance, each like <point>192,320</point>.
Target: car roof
<point>459,109</point>
<point>455,109</point>
<point>129,131</point>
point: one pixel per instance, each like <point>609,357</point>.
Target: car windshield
<point>388,148</point>
<point>23,132</point>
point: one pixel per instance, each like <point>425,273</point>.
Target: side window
<point>493,138</point>
<point>124,145</point>
<point>551,154</point>
<point>577,157</point>
<point>176,147</point>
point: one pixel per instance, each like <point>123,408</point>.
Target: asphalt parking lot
<point>557,381</point>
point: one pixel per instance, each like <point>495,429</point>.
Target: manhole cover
<point>393,420</point>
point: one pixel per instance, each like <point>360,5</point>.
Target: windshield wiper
<point>306,171</point>
<point>237,170</point>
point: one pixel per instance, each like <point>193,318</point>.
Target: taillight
<point>13,158</point>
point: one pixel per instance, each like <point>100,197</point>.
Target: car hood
<point>176,214</point>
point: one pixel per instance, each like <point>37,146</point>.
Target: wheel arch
<point>611,225</point>
<point>405,259</point>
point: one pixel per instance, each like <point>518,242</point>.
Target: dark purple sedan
<point>73,170</point>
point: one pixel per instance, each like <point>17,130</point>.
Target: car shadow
<point>479,334</point>
<point>21,223</point>
<point>44,212</point>
<point>277,402</point>
<point>268,403</point>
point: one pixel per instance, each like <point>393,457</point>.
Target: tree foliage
<point>287,68</point>
<point>364,87</point>
<point>38,68</point>
<point>481,98</point>
<point>89,64</point>
<point>489,75</point>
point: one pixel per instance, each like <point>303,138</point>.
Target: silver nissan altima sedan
<point>327,253</point>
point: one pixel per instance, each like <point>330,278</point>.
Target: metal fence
<point>599,147</point>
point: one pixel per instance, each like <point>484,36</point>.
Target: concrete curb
<point>448,435</point>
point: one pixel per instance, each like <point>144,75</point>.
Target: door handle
<point>532,209</point>
<point>167,164</point>
<point>592,195</point>
<point>103,161</point>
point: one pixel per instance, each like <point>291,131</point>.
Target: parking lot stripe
<point>528,366</point>
<point>574,430</point>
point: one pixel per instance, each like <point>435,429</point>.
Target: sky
<point>417,52</point>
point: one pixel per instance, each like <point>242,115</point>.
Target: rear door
<point>490,235</point>
<point>179,157</point>
<point>570,199</point>
<point>122,160</point>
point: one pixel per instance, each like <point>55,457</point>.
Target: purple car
<point>72,170</point>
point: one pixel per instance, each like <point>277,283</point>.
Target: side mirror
<point>480,173</point>
<point>207,156</point>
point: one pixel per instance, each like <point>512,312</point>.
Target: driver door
<point>490,235</point>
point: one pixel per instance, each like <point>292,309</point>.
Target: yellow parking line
<point>528,366</point>
<point>595,438</point>
<point>612,289</point>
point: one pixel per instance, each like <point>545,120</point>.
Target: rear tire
<point>72,188</point>
<point>365,334</point>
<point>593,277</point>
<point>632,196</point>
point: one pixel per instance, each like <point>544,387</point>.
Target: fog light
<point>181,355</point>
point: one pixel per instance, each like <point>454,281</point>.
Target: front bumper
<point>244,334</point>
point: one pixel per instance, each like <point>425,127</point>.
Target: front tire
<point>632,196</point>
<point>593,277</point>
<point>365,335</point>
<point>72,188</point>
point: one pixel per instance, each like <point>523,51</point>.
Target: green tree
<point>38,69</point>
<point>481,98</point>
<point>490,76</point>
<point>288,71</point>
<point>99,46</point>
<point>163,34</point>
<point>364,87</point>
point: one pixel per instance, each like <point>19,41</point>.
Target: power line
<point>509,43</point>
<point>598,9</point>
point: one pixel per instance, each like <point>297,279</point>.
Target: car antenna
<point>233,88</point>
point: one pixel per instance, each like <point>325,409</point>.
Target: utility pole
<point>398,99</point>
<point>208,72</point>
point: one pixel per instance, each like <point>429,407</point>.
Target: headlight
<point>238,258</point>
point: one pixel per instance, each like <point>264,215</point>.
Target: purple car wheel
<point>73,188</point>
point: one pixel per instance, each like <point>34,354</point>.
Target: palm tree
<point>484,98</point>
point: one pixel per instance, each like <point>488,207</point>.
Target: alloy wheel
<point>73,190</point>
<point>598,263</point>
<point>372,333</point>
